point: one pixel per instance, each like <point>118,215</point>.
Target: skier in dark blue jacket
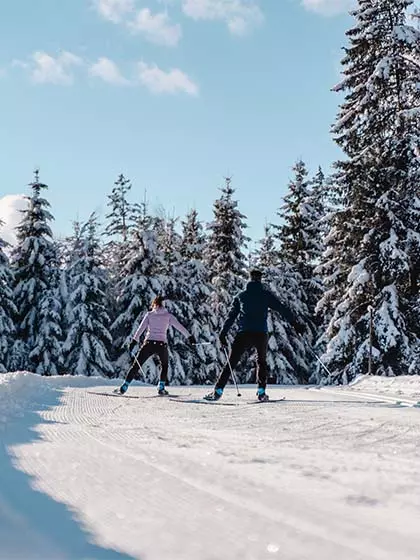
<point>252,307</point>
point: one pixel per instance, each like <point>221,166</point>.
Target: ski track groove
<point>142,434</point>
<point>268,513</point>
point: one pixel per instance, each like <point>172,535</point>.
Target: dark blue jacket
<point>252,306</point>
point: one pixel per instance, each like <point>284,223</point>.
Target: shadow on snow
<point>32,524</point>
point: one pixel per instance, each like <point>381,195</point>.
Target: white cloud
<point>114,10</point>
<point>159,81</point>
<point>19,64</point>
<point>10,215</point>
<point>156,28</point>
<point>329,7</point>
<point>108,71</point>
<point>239,15</point>
<point>47,69</point>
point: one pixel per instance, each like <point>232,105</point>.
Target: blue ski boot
<point>214,396</point>
<point>123,389</point>
<point>161,389</point>
<point>262,395</point>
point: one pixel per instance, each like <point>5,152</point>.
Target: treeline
<point>344,252</point>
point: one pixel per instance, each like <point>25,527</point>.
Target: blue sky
<point>173,94</point>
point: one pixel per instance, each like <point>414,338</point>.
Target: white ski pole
<point>232,373</point>
<point>140,368</point>
<point>322,363</point>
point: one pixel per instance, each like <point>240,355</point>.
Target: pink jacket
<point>157,322</point>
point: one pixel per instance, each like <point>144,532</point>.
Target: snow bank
<point>407,386</point>
<point>22,389</point>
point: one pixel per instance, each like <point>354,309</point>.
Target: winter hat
<point>255,274</point>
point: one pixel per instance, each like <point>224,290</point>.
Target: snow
<point>407,386</point>
<point>328,473</point>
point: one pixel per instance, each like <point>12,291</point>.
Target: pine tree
<point>88,339</point>
<point>224,254</point>
<point>7,308</point>
<point>121,220</point>
<point>123,214</point>
<point>321,200</point>
<point>141,282</point>
<point>289,359</point>
<point>197,312</point>
<point>169,246</point>
<point>374,240</point>
<point>47,353</point>
<point>299,235</point>
<point>35,266</point>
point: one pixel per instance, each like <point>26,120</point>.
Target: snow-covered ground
<point>326,474</point>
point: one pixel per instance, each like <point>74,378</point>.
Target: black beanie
<point>256,275</point>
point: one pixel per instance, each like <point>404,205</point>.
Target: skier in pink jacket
<point>157,321</point>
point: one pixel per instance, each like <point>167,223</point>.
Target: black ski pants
<point>245,341</point>
<point>150,348</point>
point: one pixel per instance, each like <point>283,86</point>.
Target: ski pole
<point>138,363</point>
<point>321,362</point>
<point>140,368</point>
<point>232,373</point>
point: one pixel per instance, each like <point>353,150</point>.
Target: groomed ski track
<point>326,474</point>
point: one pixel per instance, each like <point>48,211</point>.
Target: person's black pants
<point>245,341</point>
<point>150,348</point>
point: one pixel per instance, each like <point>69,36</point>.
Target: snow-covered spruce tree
<point>68,250</point>
<point>288,357</point>
<point>7,308</point>
<point>120,221</point>
<point>197,312</point>
<point>169,244</point>
<point>224,255</point>
<point>141,282</point>
<point>88,338</point>
<point>47,353</point>
<point>327,199</point>
<point>320,198</point>
<point>300,235</point>
<point>374,240</point>
<point>123,213</point>
<point>34,262</point>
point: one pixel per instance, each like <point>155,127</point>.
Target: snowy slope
<point>321,475</point>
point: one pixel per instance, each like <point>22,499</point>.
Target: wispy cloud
<point>329,7</point>
<point>239,15</point>
<point>156,28</point>
<point>108,71</point>
<point>114,10</point>
<point>44,68</point>
<point>158,81</point>
<point>11,215</point>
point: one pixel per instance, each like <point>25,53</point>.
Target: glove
<point>299,328</point>
<point>222,338</point>
<point>191,339</point>
<point>132,345</point>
